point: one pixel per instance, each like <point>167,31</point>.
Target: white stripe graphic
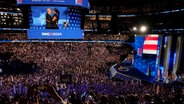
<point>145,51</point>
<point>150,42</point>
<point>152,35</point>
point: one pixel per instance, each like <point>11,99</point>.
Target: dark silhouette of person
<point>55,18</point>
<point>49,22</point>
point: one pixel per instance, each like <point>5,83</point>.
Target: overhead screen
<point>82,3</point>
<point>38,16</point>
<point>55,19</point>
<point>68,25</point>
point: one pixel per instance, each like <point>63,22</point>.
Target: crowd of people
<point>90,23</point>
<point>108,37</point>
<point>88,64</point>
<point>133,8</point>
<point>13,36</point>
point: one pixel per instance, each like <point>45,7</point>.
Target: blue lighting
<point>174,61</point>
<point>128,15</point>
<point>161,69</point>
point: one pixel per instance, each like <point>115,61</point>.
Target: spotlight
<point>134,28</point>
<point>143,29</point>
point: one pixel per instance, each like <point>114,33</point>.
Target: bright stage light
<point>143,29</point>
<point>134,28</point>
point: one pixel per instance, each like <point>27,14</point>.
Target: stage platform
<point>124,71</point>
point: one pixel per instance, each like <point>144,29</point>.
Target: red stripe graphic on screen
<point>78,2</point>
<point>150,45</point>
<point>19,1</point>
<point>152,38</point>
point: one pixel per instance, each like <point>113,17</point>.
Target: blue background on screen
<point>39,13</point>
<point>81,3</point>
<point>55,34</point>
<point>38,23</point>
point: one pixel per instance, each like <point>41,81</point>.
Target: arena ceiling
<point>124,6</point>
<point>145,10</point>
<point>9,2</point>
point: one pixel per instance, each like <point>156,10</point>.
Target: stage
<point>124,71</point>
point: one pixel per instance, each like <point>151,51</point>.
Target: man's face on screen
<point>49,11</point>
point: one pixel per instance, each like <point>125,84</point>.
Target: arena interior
<point>91,52</point>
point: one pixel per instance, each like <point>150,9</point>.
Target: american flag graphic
<point>150,45</point>
<point>78,2</point>
<point>19,1</point>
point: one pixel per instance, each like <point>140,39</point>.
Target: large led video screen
<point>147,48</point>
<point>42,17</point>
<point>54,22</point>
<point>81,3</point>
